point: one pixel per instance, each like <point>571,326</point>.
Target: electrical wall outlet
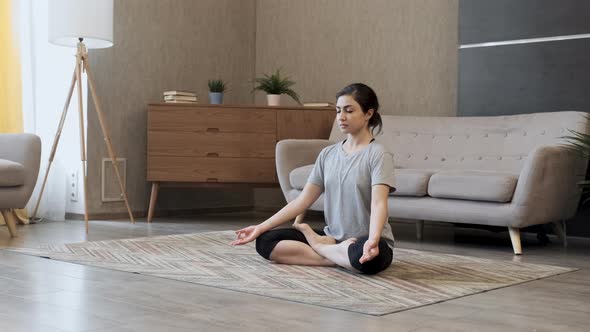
<point>73,186</point>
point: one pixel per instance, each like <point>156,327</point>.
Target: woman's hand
<point>246,235</point>
<point>370,251</point>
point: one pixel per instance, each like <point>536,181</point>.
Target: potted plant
<point>216,90</point>
<point>580,142</point>
<point>275,85</point>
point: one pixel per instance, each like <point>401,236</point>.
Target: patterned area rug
<point>415,279</point>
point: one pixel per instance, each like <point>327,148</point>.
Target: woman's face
<point>350,116</point>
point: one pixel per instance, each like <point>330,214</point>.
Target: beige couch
<point>503,171</point>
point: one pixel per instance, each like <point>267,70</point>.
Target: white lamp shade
<point>88,19</point>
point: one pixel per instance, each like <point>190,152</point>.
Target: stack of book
<point>180,97</point>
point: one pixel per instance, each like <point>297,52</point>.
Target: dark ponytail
<point>375,123</point>
<point>366,97</point>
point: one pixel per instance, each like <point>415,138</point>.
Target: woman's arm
<point>379,195</point>
<point>311,192</point>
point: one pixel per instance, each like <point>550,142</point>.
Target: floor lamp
<point>82,24</point>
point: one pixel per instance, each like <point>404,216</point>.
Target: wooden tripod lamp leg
<point>82,137</point>
<point>107,139</point>
<point>56,141</point>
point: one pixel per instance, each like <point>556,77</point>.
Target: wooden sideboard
<point>206,144</point>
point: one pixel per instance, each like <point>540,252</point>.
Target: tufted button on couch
<point>510,171</point>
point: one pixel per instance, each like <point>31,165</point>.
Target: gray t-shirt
<point>347,180</point>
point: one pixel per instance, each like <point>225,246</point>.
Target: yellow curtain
<point>11,117</point>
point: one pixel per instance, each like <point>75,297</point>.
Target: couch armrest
<point>547,188</point>
<point>24,149</point>
<point>294,153</point>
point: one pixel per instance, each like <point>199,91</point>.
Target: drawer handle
<point>212,180</point>
<point>213,130</point>
<point>212,154</point>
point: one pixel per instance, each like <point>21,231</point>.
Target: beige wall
<point>166,45</point>
<point>405,49</point>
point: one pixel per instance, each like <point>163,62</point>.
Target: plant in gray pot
<point>274,85</point>
<point>216,90</point>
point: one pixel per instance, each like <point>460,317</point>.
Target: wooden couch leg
<point>10,222</point>
<point>515,238</point>
<point>419,229</point>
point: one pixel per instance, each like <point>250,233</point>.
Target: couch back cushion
<point>408,182</point>
<point>499,143</point>
<point>488,186</point>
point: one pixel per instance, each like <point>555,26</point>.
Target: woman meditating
<point>356,177</point>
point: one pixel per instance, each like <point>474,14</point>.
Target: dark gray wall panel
<point>524,78</point>
<point>496,20</point>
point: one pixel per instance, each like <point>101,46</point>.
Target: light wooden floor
<point>42,295</point>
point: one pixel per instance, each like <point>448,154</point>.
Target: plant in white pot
<point>274,85</point>
<point>216,90</point>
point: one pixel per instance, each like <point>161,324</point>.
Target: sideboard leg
<point>153,198</point>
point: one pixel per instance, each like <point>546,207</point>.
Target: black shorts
<point>267,241</point>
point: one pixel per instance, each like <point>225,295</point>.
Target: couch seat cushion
<point>11,173</point>
<point>473,185</point>
<point>408,182</point>
<point>412,182</point>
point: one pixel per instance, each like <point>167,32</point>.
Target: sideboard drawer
<point>207,144</point>
<point>202,119</point>
<point>203,169</point>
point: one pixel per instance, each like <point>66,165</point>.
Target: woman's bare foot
<point>326,246</point>
<point>314,239</point>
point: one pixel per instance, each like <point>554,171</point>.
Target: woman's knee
<point>374,266</point>
<point>265,243</point>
